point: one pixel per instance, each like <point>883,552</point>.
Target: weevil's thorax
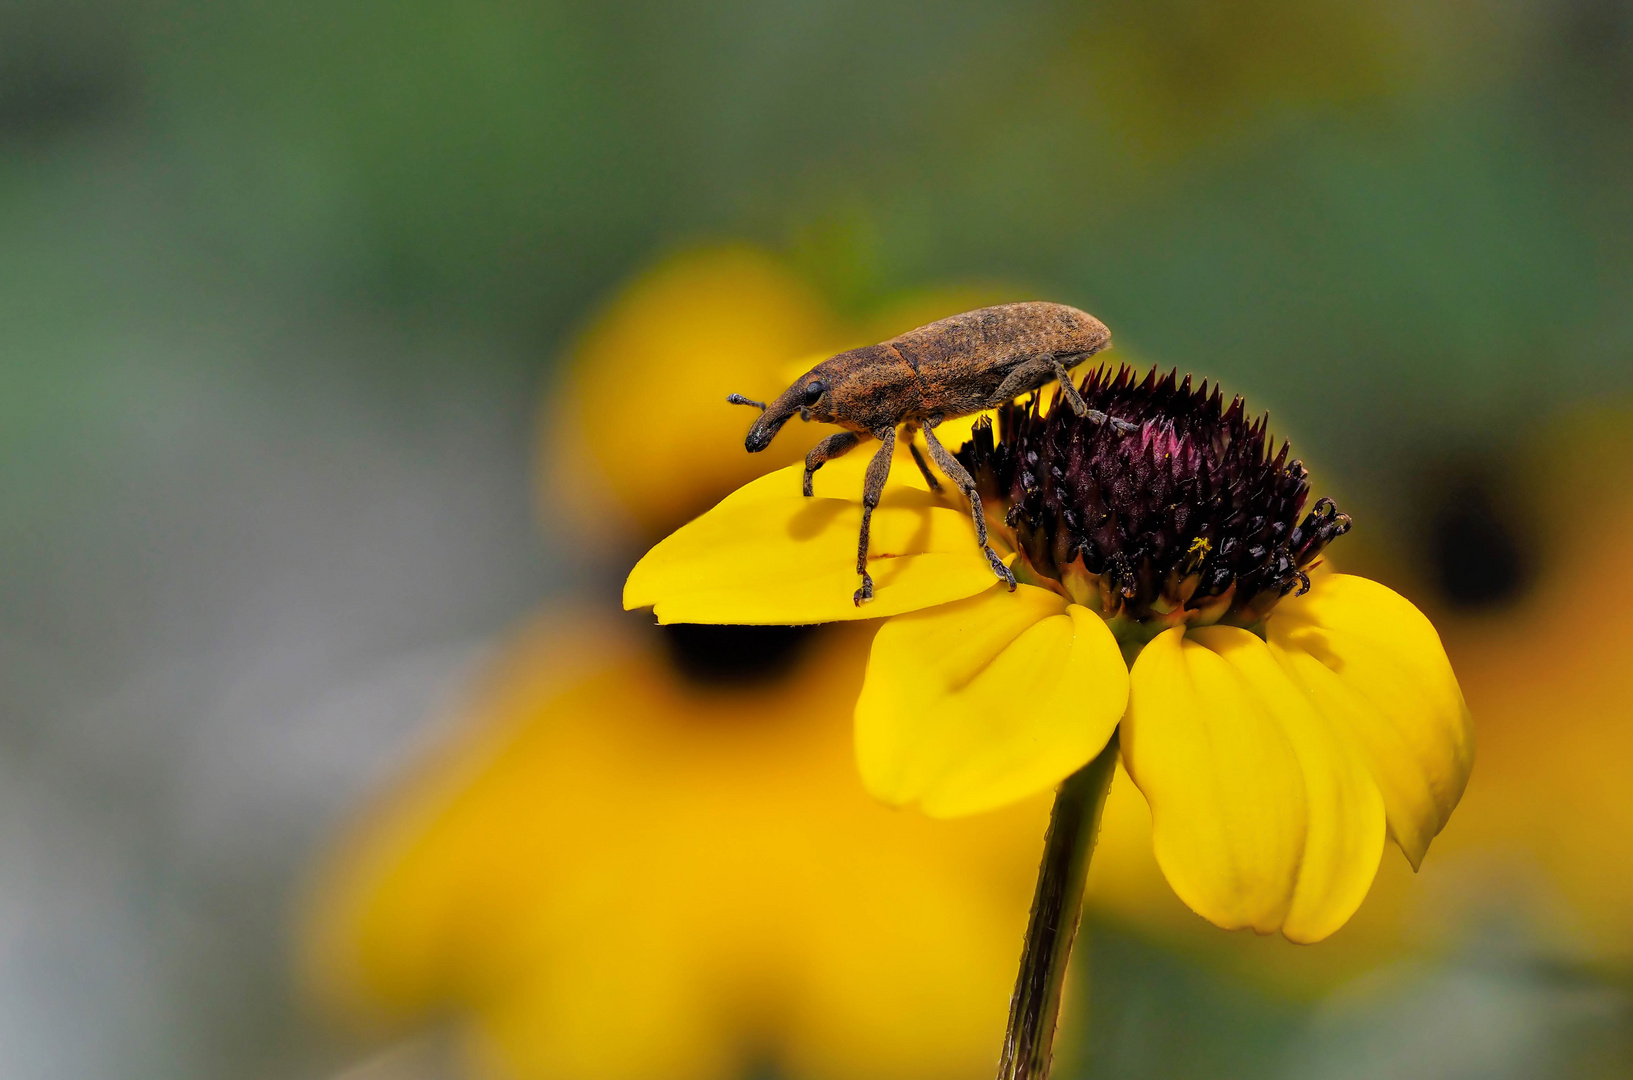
<point>869,389</point>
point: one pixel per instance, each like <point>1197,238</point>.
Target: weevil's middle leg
<point>825,451</point>
<point>872,488</point>
<point>1026,376</point>
<point>918,458</point>
<point>961,476</point>
<point>1069,388</point>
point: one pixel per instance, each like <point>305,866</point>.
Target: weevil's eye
<point>814,390</point>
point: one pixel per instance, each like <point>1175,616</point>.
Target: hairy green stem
<point>1074,823</point>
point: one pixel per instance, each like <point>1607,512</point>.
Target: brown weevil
<point>952,367</point>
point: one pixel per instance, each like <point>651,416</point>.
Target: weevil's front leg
<point>872,488</point>
<point>825,451</point>
<point>961,476</point>
<point>1081,407</point>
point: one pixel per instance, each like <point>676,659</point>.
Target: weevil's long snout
<point>776,414</point>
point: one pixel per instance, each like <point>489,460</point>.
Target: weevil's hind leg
<point>918,459</point>
<point>1081,407</point>
<point>961,476</point>
<point>872,488</point>
<point>825,451</point>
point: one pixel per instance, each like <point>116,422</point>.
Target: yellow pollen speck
<point>1198,551</point>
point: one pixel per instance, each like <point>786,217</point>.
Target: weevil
<point>953,367</point>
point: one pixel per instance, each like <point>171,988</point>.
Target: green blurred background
<point>282,284</point>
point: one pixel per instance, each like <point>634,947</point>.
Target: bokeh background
<point>317,322</point>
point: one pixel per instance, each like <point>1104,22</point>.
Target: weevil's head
<point>810,398</point>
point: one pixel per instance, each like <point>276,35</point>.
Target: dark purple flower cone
<point>1186,519</point>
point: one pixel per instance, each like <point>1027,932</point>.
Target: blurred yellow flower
<point>667,350</point>
<point>1276,740</point>
<point>1551,679</point>
<point>618,872</point>
<point>1172,75</point>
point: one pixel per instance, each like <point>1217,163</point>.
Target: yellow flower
<point>1277,738</point>
<point>616,870</point>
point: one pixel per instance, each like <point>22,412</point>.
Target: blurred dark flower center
<point>1474,549</point>
<point>734,655</point>
<point>1188,519</point>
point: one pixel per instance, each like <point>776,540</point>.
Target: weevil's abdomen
<point>962,360</point>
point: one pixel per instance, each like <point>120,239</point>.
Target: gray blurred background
<point>281,287</point>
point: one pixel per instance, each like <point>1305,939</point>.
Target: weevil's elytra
<point>952,367</point>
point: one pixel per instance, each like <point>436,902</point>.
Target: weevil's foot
<point>998,567</point>
<point>1116,425</point>
<point>808,475</point>
<point>865,593</point>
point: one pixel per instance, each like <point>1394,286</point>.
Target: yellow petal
<point>985,701</point>
<point>768,555</point>
<point>1373,663</point>
<point>1228,808</point>
<point>1344,833</point>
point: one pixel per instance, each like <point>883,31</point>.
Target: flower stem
<point>1074,824</point>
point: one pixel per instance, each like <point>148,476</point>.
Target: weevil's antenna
<point>739,399</point>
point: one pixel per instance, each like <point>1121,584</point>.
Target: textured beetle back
<point>1021,330</point>
<point>962,361</point>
